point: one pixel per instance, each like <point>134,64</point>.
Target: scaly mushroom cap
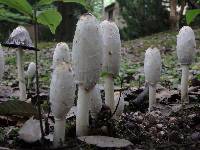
<point>61,54</point>
<point>152,65</point>
<point>2,62</point>
<point>87,51</point>
<point>186,45</point>
<point>111,47</point>
<point>95,101</point>
<point>62,90</point>
<point>31,70</point>
<point>20,36</point>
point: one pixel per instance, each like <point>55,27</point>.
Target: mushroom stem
<point>152,96</point>
<point>28,83</point>
<point>184,84</point>
<point>82,118</point>
<point>59,132</point>
<point>22,86</point>
<point>109,92</point>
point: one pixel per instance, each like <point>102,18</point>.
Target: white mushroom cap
<point>61,54</point>
<point>2,62</point>
<point>87,51</point>
<point>152,65</point>
<point>95,104</point>
<point>186,45</point>
<point>111,47</point>
<point>20,36</point>
<point>31,70</point>
<point>62,90</point>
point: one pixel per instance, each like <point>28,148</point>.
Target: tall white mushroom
<point>185,50</point>
<point>111,59</point>
<point>62,94</point>
<point>20,36</point>
<point>30,73</point>
<point>87,64</point>
<point>2,62</point>
<point>61,54</point>
<point>152,69</point>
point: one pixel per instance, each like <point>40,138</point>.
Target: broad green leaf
<point>50,18</point>
<point>191,15</point>
<point>45,2</point>
<point>6,15</point>
<point>22,6</point>
<point>104,74</point>
<point>82,2</point>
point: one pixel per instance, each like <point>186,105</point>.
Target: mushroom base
<point>109,92</point>
<point>21,76</point>
<point>184,84</point>
<point>82,117</point>
<point>59,132</point>
<point>152,96</point>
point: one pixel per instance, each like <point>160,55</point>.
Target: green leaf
<point>191,15</point>
<point>104,74</point>
<point>6,15</point>
<point>50,18</point>
<point>82,2</point>
<point>45,2</point>
<point>21,5</point>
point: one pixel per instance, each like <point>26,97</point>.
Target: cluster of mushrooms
<point>96,48</point>
<point>186,47</point>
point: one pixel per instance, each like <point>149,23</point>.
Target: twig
<point>120,93</point>
<point>37,77</point>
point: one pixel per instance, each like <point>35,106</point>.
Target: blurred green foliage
<point>143,17</point>
<point>45,13</point>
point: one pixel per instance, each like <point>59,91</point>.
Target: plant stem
<point>184,84</point>
<point>82,117</point>
<point>59,132</point>
<point>22,85</point>
<point>152,96</point>
<point>36,74</point>
<point>109,92</point>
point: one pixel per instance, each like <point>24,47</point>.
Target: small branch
<point>37,77</point>
<point>118,100</point>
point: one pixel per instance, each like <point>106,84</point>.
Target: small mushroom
<point>2,62</point>
<point>20,37</point>
<point>111,59</point>
<point>152,69</point>
<point>30,131</point>
<point>61,54</point>
<point>185,51</point>
<point>30,73</point>
<point>62,94</point>
<point>87,64</point>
